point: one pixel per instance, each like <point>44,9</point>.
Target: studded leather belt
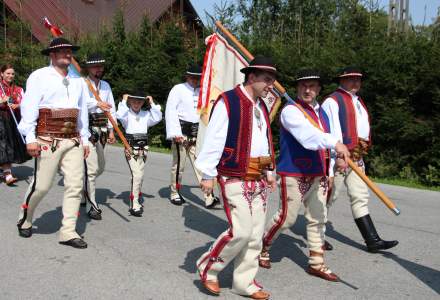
<point>137,140</point>
<point>98,120</point>
<point>189,129</point>
<point>58,123</point>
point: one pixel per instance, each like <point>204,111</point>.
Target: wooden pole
<point>249,57</point>
<point>107,114</point>
<point>245,52</point>
<point>282,91</point>
<point>388,203</point>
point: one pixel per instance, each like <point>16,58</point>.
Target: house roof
<point>83,16</point>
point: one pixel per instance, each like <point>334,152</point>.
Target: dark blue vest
<point>294,159</point>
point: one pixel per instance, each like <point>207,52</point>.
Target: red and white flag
<point>56,32</point>
<point>221,72</point>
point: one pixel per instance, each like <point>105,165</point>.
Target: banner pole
<point>282,92</point>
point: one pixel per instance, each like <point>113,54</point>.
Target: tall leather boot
<point>372,240</point>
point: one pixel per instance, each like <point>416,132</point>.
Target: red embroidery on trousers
<point>323,183</point>
<point>214,253</point>
<point>267,240</point>
<point>258,285</point>
<point>304,184</point>
<point>262,185</point>
<point>248,191</point>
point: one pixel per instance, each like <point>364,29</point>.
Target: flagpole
<point>282,91</point>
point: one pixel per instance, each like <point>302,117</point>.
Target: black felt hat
<point>350,71</point>
<point>59,43</point>
<point>308,74</point>
<point>94,59</point>
<point>194,70</point>
<point>138,95</point>
<point>263,63</point>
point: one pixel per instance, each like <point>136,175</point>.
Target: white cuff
<point>269,173</point>
<point>331,141</point>
<point>207,177</point>
<point>30,138</point>
<point>156,107</point>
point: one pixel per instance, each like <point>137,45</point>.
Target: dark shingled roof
<point>77,17</point>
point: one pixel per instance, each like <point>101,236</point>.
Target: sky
<point>417,9</point>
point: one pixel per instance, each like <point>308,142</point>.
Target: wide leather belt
<point>137,140</point>
<point>256,167</point>
<point>189,129</point>
<point>98,120</point>
<point>360,150</point>
<point>58,123</point>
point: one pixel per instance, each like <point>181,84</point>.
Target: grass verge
<point>405,183</point>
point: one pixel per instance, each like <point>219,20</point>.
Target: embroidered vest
<point>235,157</point>
<point>294,159</point>
<point>347,118</point>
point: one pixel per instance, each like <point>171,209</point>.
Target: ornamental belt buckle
<point>67,127</point>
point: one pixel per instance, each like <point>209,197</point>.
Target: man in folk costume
<point>350,122</point>
<point>238,151</point>
<point>101,131</point>
<point>55,123</point>
<point>182,123</point>
<point>136,123</point>
<point>303,168</point>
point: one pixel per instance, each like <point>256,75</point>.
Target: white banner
<point>221,72</point>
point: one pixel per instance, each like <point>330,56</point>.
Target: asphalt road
<point>153,257</point>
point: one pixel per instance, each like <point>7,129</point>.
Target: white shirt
<point>45,89</point>
<point>105,93</point>
<point>331,107</point>
<point>310,137</point>
<point>217,131</point>
<point>135,123</point>
<point>181,104</point>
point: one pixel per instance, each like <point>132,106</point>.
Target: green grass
<point>406,183</point>
<point>160,149</point>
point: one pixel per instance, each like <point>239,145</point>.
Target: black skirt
<point>12,148</point>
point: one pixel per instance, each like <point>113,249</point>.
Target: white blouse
<point>181,104</point>
<point>135,123</point>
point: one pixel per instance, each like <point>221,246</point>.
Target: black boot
<point>372,240</point>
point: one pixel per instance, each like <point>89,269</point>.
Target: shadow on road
<point>205,222</point>
<point>430,277</point>
<point>102,195</point>
<point>300,229</point>
<point>331,232</point>
<point>23,172</point>
<point>50,221</point>
<point>185,191</point>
